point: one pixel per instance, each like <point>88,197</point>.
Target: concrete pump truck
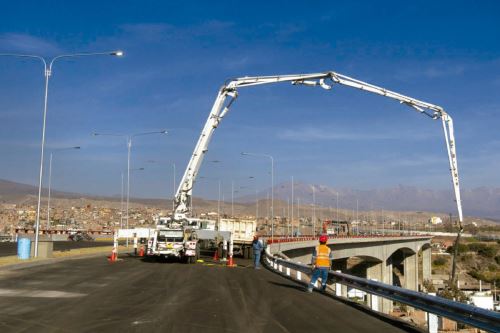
<point>178,234</point>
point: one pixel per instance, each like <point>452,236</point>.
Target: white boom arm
<point>325,80</point>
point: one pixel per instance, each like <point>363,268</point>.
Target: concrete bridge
<point>402,261</point>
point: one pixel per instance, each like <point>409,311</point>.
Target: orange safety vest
<point>323,256</point>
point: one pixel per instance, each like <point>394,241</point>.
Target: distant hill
<point>12,191</point>
<point>18,193</point>
<point>481,202</point>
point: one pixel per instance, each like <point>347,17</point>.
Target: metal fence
<point>464,313</point>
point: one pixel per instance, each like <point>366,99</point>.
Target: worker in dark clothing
<point>257,246</point>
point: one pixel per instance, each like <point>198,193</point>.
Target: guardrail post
<point>343,290</point>
<point>288,271</point>
<point>374,300</point>
<point>338,288</point>
<point>432,320</point>
<point>299,275</point>
<point>432,323</point>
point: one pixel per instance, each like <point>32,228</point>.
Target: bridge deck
<point>133,295</point>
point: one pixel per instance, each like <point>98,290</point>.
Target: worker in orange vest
<point>321,263</point>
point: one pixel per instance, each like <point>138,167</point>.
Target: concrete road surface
<point>132,295</point>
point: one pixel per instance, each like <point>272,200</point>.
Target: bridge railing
<point>460,312</point>
<point>289,239</point>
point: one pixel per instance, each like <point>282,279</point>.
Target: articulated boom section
<point>324,80</point>
<point>185,189</point>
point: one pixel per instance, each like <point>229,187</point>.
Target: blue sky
<point>177,56</point>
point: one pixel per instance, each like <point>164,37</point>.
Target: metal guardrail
<point>464,313</point>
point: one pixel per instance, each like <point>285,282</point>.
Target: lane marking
<point>38,293</point>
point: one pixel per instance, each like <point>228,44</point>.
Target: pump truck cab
<point>174,240</point>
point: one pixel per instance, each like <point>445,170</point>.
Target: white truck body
<point>242,232</point>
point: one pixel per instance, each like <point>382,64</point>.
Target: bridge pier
<point>411,271</point>
<point>426,263</point>
<point>382,272</point>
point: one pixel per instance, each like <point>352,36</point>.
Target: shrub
<point>467,258</point>
<point>492,267</point>
<point>461,249</point>
<point>476,274</point>
<point>476,247</point>
<point>497,259</point>
<point>429,286</point>
<point>440,261</point>
<point>452,292</point>
<point>488,252</point>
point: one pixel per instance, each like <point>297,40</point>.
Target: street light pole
<point>272,187</point>
<point>48,196</point>
<point>128,193</point>
<point>218,206</point>
<point>256,204</point>
<point>121,206</point>
<point>129,148</point>
<point>314,210</point>
<point>48,73</point>
<point>298,217</point>
<point>173,193</point>
<point>337,206</point>
<point>291,222</point>
<point>50,183</point>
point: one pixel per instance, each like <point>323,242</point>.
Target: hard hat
<point>323,238</point>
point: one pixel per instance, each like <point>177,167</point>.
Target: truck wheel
<point>197,256</point>
<point>250,253</point>
<point>219,250</point>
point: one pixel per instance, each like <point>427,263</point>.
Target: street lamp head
<point>242,153</point>
<point>164,132</point>
<point>77,147</point>
<point>117,53</point>
<point>141,169</point>
<point>95,134</point>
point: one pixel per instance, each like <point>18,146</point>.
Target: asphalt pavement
<point>135,295</point>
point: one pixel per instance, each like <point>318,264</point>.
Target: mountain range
<point>479,202</point>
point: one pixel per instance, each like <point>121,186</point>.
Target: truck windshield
<point>170,236</point>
